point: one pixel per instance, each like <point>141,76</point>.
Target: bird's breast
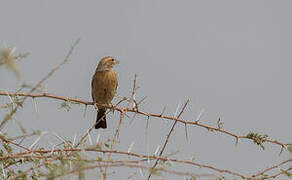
<point>104,85</point>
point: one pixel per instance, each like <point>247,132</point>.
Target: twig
<point>11,142</point>
<point>168,136</point>
<point>272,167</point>
<point>135,166</point>
<point>120,123</point>
<point>28,170</point>
<point>14,110</point>
<point>92,127</point>
<point>23,136</point>
<point>143,156</point>
<point>46,95</point>
<point>133,110</point>
<point>278,174</point>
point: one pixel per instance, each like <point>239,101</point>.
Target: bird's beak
<point>117,62</point>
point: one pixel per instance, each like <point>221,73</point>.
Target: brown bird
<point>104,85</point>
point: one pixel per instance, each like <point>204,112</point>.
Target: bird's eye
<point>113,59</point>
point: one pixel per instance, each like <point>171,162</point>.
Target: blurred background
<point>232,59</point>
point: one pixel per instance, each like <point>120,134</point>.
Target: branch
<point>278,174</point>
<point>123,113</point>
<point>168,136</point>
<point>135,166</point>
<point>272,167</point>
<point>14,110</point>
<point>135,110</point>
<point>143,156</point>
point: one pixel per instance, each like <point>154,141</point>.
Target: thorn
<point>176,110</point>
<point>73,144</point>
<point>142,100</point>
<point>134,101</point>
<point>200,115</point>
<point>163,110</point>
<point>186,131</point>
<point>85,108</point>
<point>60,138</point>
<point>156,151</point>
<point>89,138</point>
<point>236,142</point>
<point>147,122</point>
<point>97,138</point>
<point>131,146</point>
<point>141,172</point>
<point>34,105</point>
<point>37,140</point>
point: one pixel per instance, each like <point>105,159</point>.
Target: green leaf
<point>290,148</point>
<point>65,106</point>
<point>257,138</point>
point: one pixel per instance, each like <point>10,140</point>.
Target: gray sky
<point>231,58</point>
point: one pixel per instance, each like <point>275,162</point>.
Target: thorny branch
<point>123,113</point>
<point>272,167</point>
<point>181,173</point>
<point>39,154</point>
<point>135,110</point>
<point>278,174</point>
<point>14,110</point>
<point>168,136</point>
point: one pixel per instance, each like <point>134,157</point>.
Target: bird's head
<point>106,63</point>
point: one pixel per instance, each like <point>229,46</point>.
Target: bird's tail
<point>100,119</point>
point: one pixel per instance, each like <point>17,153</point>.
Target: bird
<point>103,87</point>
